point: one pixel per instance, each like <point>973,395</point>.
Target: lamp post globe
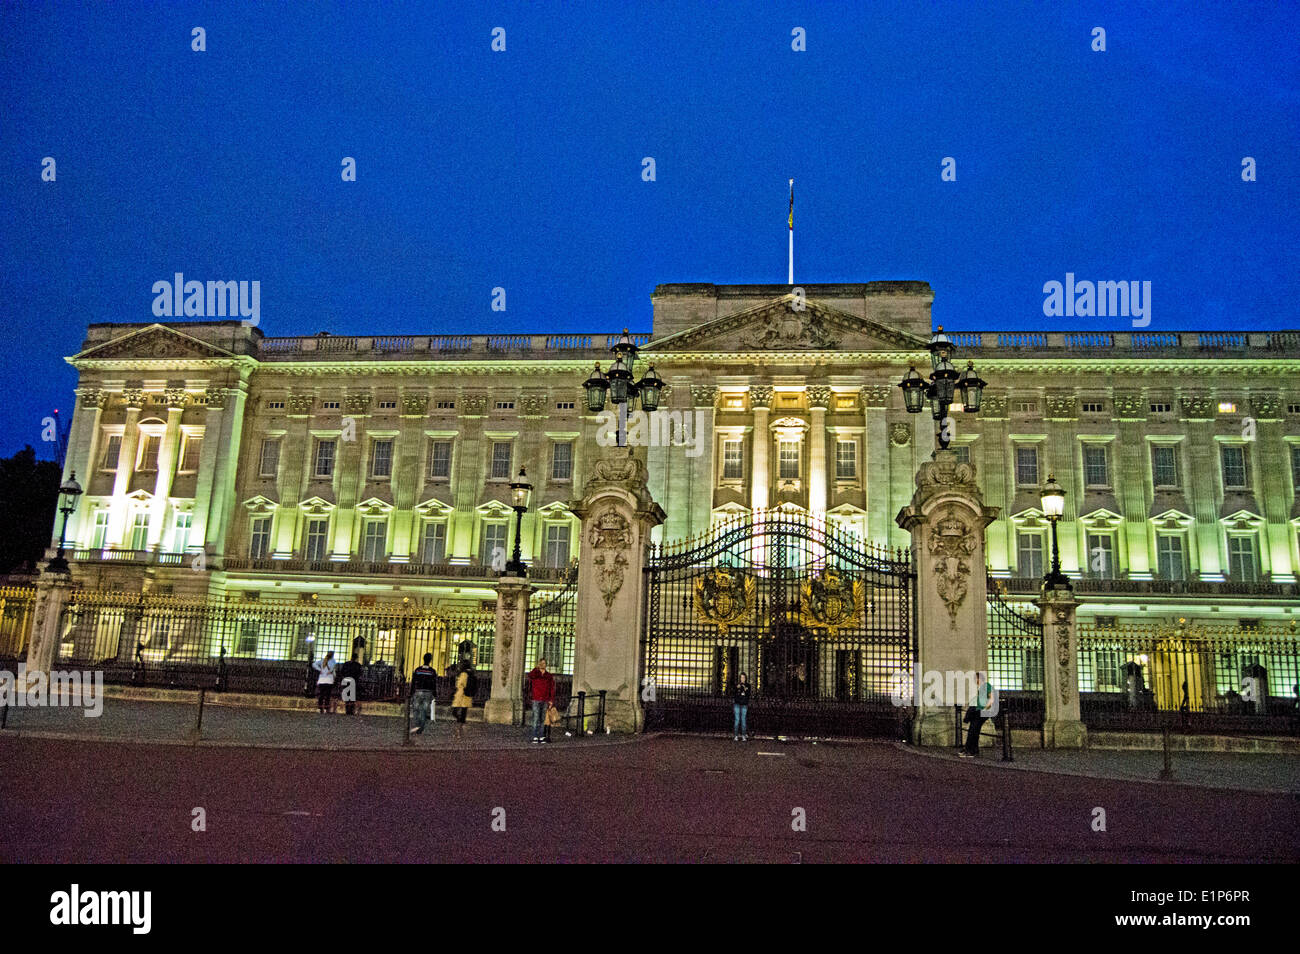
<point>521,492</point>
<point>1053,501</point>
<point>68,494</point>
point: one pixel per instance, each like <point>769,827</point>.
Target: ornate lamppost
<point>68,495</point>
<point>943,384</point>
<point>520,493</point>
<point>1053,500</point>
<point>620,387</point>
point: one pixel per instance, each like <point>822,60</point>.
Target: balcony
<point>1020,585</point>
<point>440,347</point>
<point>433,571</point>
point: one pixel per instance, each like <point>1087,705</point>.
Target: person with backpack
<point>324,681</point>
<point>466,686</point>
<point>424,683</point>
<point>542,691</point>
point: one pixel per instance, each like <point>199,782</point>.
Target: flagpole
<point>791,276</point>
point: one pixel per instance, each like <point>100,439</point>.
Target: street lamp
<point>520,492</point>
<point>618,386</point>
<point>68,495</point>
<point>944,383</point>
<point>1053,499</point>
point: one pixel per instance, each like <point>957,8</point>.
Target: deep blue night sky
<point>522,169</point>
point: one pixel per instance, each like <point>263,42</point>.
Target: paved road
<point>669,799</point>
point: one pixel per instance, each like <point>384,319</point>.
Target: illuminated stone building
<point>218,460</point>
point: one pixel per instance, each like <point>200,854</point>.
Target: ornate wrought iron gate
<point>821,623</point>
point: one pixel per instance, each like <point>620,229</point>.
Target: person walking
<point>542,692</point>
<point>740,710</point>
<point>975,716</point>
<point>324,681</point>
<point>463,700</point>
<point>350,685</point>
<point>424,683</point>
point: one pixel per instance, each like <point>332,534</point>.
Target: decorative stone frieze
<point>704,395</point>
<point>357,403</point>
<point>1062,407</point>
<point>993,406</point>
<point>819,395</point>
<point>301,403</point>
<point>900,434</point>
<point>1265,405</point>
<point>472,405</point>
<point>876,395</point>
<point>533,405</point>
<point>1130,406</point>
<point>415,405</point>
<point>1198,407</point>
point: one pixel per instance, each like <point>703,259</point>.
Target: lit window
<point>269,459</point>
<point>733,462</point>
<point>1029,555</point>
<point>1027,466</point>
<point>562,461</point>
<point>433,548</point>
<point>372,546</point>
<point>381,458</point>
<point>1227,407</point>
<point>259,542</point>
<point>439,460</point>
<point>101,530</point>
<point>181,532</point>
<point>324,459</point>
<point>557,545</point>
<point>1026,407</point>
<point>1094,466</point>
<point>140,530</point>
<point>846,460</point>
<point>501,460</point>
<point>789,460</point>
<point>317,538</point>
<point>1234,465</point>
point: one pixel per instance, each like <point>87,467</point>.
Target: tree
<point>29,497</point>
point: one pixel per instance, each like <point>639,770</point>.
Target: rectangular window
<point>505,405</point>
<point>259,543</point>
<point>1161,407</point>
<point>445,405</point>
<point>846,460</point>
<point>387,405</point>
<point>1033,669</point>
<point>269,460</point>
<point>1092,407</point>
<point>1101,556</point>
<point>330,405</point>
<point>1095,471</point>
<point>1169,557</point>
<point>494,544</point>
<point>963,452</point>
<point>381,457</point>
<point>733,461</point>
<point>372,544</point>
<point>324,464</point>
<point>1234,465</point>
<point>181,533</point>
<point>433,547</point>
<point>1242,565</point>
<point>1164,465</point>
<point>562,461</point>
<point>112,450</point>
<point>1029,555</point>
<point>1027,466</point>
<point>275,405</point>
<point>501,460</point>
<point>101,530</point>
<point>1108,667</point>
<point>140,530</point>
<point>440,460</point>
<point>1295,465</point>
<point>557,545</point>
<point>317,547</point>
<point>149,444</point>
<point>789,460</point>
<point>190,454</point>
<point>1026,407</point>
<point>564,405</point>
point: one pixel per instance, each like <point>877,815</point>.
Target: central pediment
<point>789,323</point>
<point>152,342</point>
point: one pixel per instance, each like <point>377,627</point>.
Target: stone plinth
<point>506,704</point>
<point>1063,726</point>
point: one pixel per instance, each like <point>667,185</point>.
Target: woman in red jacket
<point>542,692</point>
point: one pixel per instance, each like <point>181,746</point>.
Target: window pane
<point>260,541</point>
<point>1234,466</point>
<point>1169,557</point>
<point>846,459</point>
<point>101,529</point>
<point>434,548</point>
<point>557,545</point>
<point>373,550</point>
<point>1027,466</point>
<point>500,460</point>
<point>140,530</point>
<point>789,460</point>
<point>1030,554</point>
<point>1241,559</point>
<point>381,459</point>
<point>1164,467</point>
<point>561,461</point>
<point>149,452</point>
<point>112,448</point>
<point>325,459</point>
<point>181,534</point>
<point>963,452</point>
<point>1094,467</point>
<point>317,534</point>
<point>270,457</point>
<point>494,538</point>
<point>1295,465</point>
<point>732,460</point>
<point>1101,556</point>
<point>440,459</point>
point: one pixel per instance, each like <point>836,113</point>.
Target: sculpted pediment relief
<point>789,324</point>
<point>154,341</point>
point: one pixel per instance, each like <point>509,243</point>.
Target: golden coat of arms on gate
<point>832,601</point>
<point>724,597</point>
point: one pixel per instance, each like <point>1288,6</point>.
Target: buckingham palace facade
<point>217,460</point>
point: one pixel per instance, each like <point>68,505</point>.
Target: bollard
<point>197,732</point>
<point>1167,772</point>
<point>956,727</point>
<point>600,715</point>
<point>582,713</point>
<point>1006,737</point>
<point>406,735</point>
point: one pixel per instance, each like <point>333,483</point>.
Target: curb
<point>931,753</point>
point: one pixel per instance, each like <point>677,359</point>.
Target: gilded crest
<point>833,601</point>
<point>724,597</point>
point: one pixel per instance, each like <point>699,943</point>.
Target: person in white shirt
<point>325,681</point>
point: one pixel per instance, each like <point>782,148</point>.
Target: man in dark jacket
<point>542,691</point>
<point>350,681</point>
<point>424,683</point>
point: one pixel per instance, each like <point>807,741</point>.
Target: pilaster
<point>506,705</point>
<point>1063,726</point>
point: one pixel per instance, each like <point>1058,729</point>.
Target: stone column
<point>819,399</point>
<point>1063,726</point>
<point>760,398</point>
<point>83,448</point>
<point>617,516</point>
<point>225,473</point>
<point>700,496</point>
<point>117,522</point>
<point>946,519</point>
<point>167,451</point>
<point>506,705</point>
<point>875,460</point>
<point>213,438</point>
<point>53,590</point>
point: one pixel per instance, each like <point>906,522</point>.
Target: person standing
<point>424,683</point>
<point>350,685</point>
<point>542,692</point>
<point>324,681</point>
<point>740,710</point>
<point>466,684</point>
<point>975,716</point>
